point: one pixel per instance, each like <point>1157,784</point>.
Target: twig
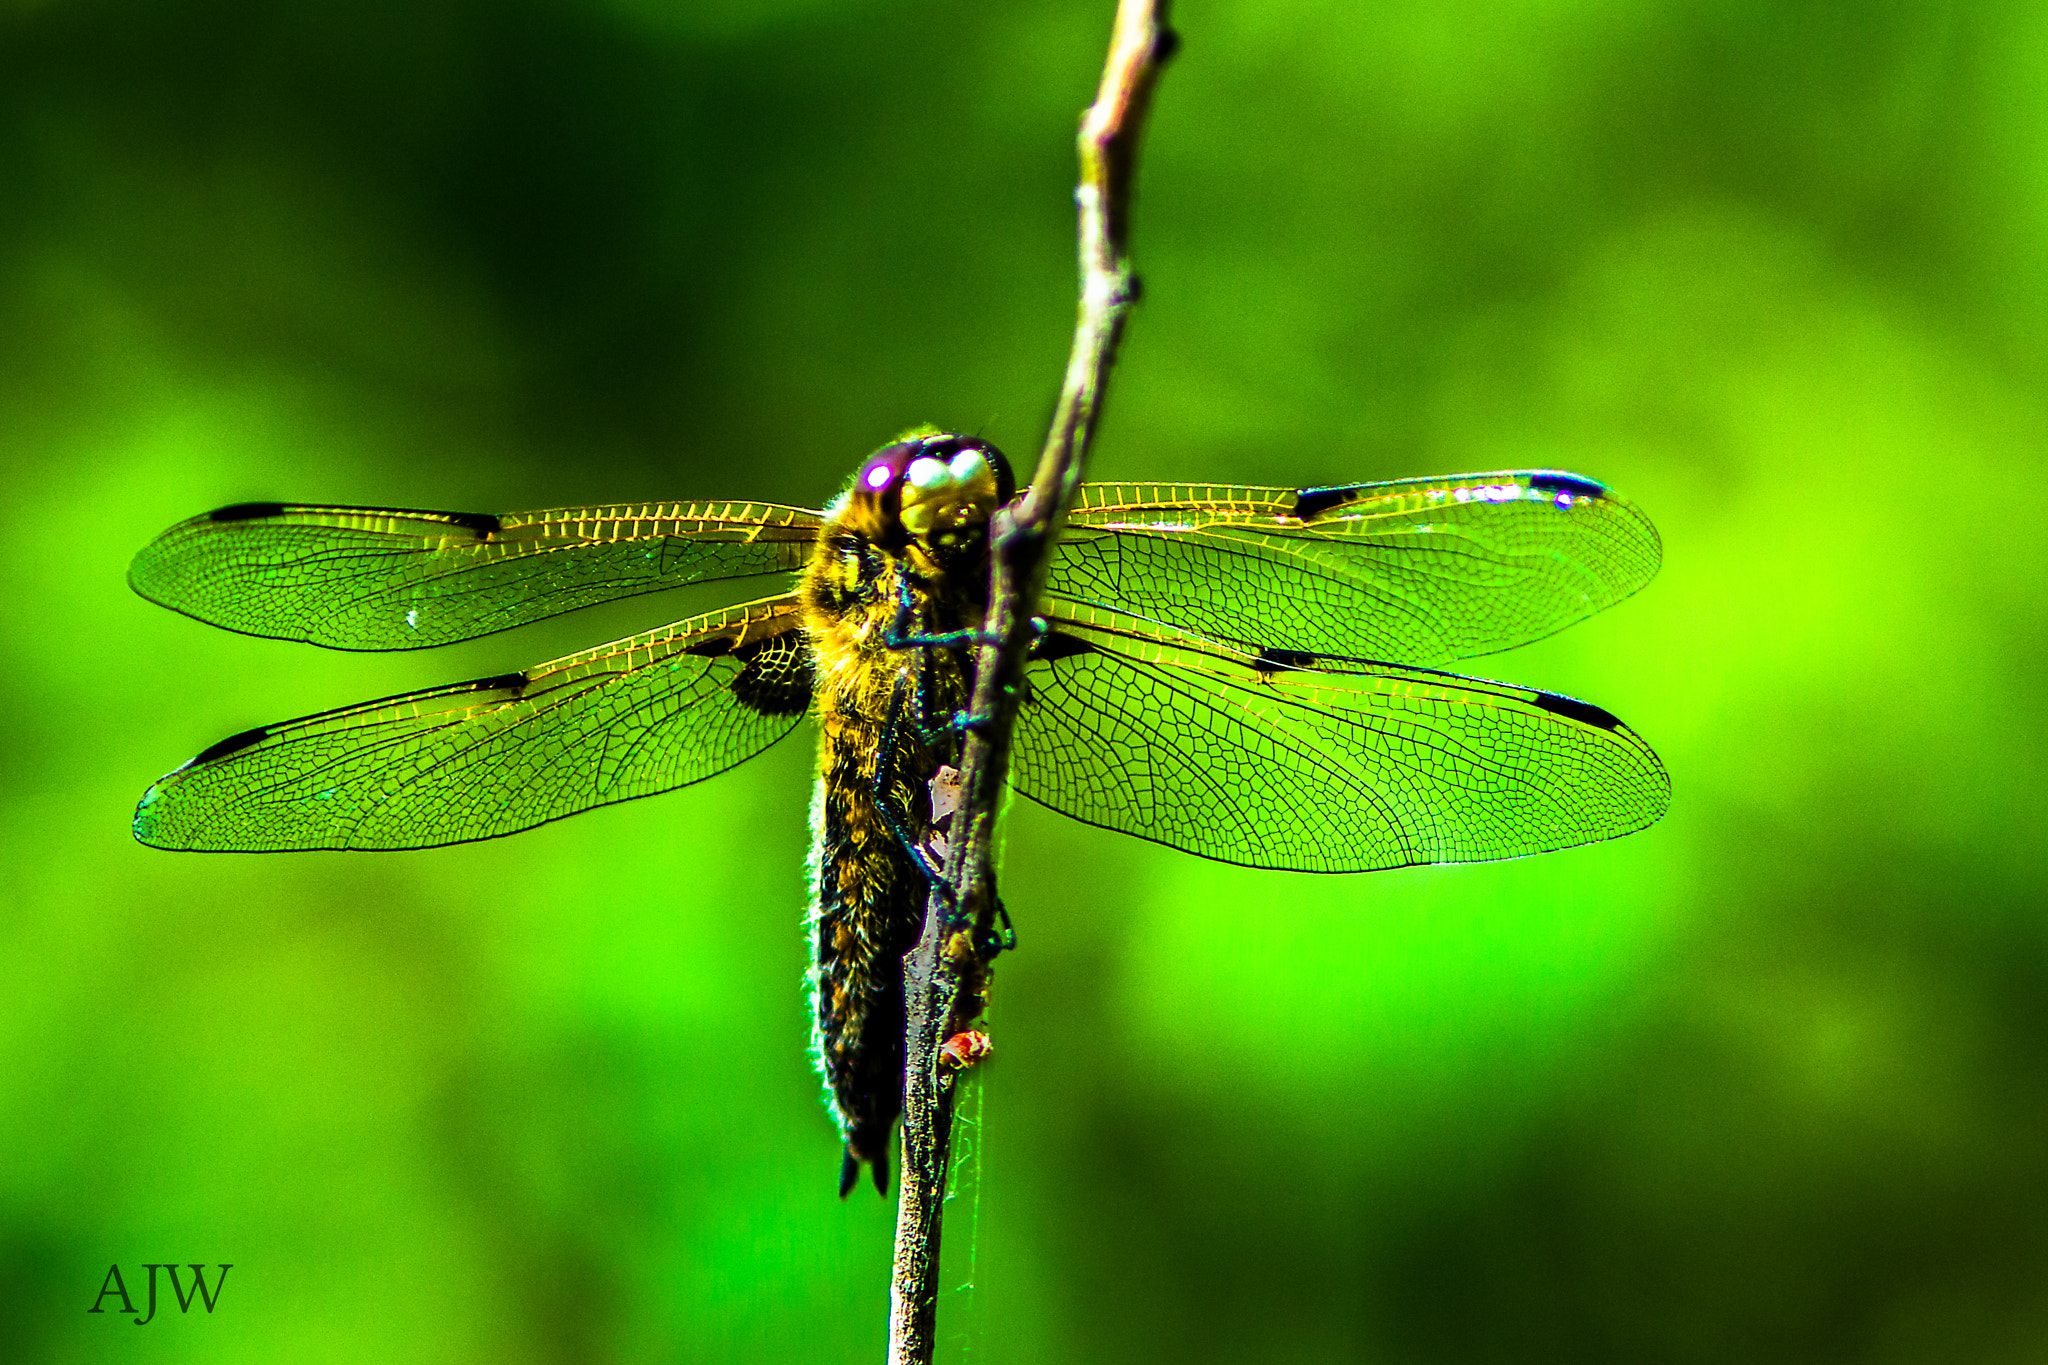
<point>945,976</point>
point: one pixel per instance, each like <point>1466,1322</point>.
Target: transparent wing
<point>1317,764</point>
<point>389,578</point>
<point>479,759</point>
<point>1422,571</point>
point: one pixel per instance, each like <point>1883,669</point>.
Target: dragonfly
<point>1250,674</point>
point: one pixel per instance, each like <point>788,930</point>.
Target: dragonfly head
<point>938,490</point>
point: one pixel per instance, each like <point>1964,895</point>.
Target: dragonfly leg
<point>1001,940</point>
<point>884,797</point>
<point>960,722</point>
<point>898,635</point>
<point>998,940</point>
<point>974,722</point>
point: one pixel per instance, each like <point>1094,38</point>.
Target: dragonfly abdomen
<point>867,907</point>
<point>881,702</point>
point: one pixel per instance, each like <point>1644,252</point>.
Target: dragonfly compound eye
<point>947,496</point>
<point>883,471</point>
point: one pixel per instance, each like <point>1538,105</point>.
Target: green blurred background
<point>1766,1083</point>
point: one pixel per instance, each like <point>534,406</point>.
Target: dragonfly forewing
<point>1420,570</point>
<point>373,578</point>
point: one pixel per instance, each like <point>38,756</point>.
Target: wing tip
<point>146,823</point>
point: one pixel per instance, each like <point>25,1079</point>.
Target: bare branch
<point>946,974</point>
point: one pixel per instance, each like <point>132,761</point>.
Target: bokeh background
<point>1766,1083</point>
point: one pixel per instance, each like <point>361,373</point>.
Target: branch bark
<point>945,976</point>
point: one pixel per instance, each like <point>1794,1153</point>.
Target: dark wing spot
<point>1276,660</point>
<point>483,523</point>
<point>1310,503</point>
<point>777,678</point>
<point>515,683</point>
<point>246,511</point>
<point>1567,483</point>
<point>771,695</point>
<point>1585,713</point>
<point>232,744</point>
<point>1054,645</point>
<point>712,648</point>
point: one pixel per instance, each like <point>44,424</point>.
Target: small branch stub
<point>946,974</point>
